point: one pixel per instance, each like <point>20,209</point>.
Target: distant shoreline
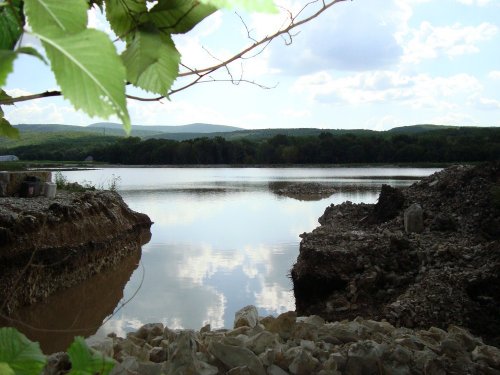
<point>75,165</point>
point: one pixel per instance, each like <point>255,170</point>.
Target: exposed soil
<point>51,244</point>
<point>304,191</point>
<point>361,262</point>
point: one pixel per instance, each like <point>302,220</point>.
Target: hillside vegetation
<point>423,143</point>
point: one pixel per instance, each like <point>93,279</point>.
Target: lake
<point>221,240</point>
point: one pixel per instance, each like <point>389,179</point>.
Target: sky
<point>363,64</point>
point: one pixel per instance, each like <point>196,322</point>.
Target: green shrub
<point>19,355</point>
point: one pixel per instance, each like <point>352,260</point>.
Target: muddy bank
<point>303,191</point>
<point>51,244</point>
<point>362,262</point>
<point>76,310</point>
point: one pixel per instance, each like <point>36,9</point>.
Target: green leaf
<point>7,58</point>
<point>5,369</point>
<point>90,73</point>
<point>152,62</point>
<point>123,15</point>
<point>7,130</point>
<point>266,6</point>
<point>31,51</point>
<point>84,361</point>
<point>53,17</point>
<point>179,16</point>
<point>4,96</point>
<point>19,353</point>
<point>11,26</point>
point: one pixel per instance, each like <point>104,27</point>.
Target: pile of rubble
<point>293,345</point>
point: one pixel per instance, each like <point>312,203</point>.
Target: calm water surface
<point>221,239</point>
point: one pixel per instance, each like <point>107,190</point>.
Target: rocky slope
<point>362,262</point>
<point>294,345</point>
<point>50,244</point>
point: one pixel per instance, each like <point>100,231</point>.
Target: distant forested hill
<point>190,128</point>
<point>420,143</point>
<point>415,129</point>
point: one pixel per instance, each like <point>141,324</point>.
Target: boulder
<point>364,357</point>
<point>234,356</point>
<point>303,363</point>
<point>414,219</point>
<point>247,316</point>
<point>158,354</point>
<point>182,358</point>
<point>149,331</point>
<point>276,370</point>
<point>487,354</point>
<point>262,341</point>
<point>284,324</point>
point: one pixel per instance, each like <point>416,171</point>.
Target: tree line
<point>446,145</point>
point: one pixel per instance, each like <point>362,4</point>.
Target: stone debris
<point>356,346</point>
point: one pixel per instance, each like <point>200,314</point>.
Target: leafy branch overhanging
<point>150,60</point>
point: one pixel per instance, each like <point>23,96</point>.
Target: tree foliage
<point>87,67</point>
<point>445,145</point>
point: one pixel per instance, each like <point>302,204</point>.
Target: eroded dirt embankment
<point>50,244</point>
<point>361,262</point>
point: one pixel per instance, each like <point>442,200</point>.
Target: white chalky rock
<point>235,356</point>
<point>247,316</point>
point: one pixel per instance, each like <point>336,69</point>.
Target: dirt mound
<point>50,244</point>
<point>449,274</point>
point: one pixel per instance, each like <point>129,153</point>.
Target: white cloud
<point>295,113</point>
<point>275,298</point>
<point>430,42</point>
<point>475,2</point>
<point>97,20</point>
<point>495,74</point>
<point>487,104</point>
<point>350,36</point>
<point>199,266</point>
<point>18,92</point>
<point>383,123</point>
<point>193,52</point>
<point>173,112</point>
<point>215,311</point>
<point>419,91</point>
<point>42,112</point>
<point>453,118</point>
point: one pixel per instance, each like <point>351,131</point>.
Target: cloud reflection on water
<point>212,254</point>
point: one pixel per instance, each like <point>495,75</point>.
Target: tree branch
<point>286,30</point>
<point>202,75</point>
<point>46,94</point>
